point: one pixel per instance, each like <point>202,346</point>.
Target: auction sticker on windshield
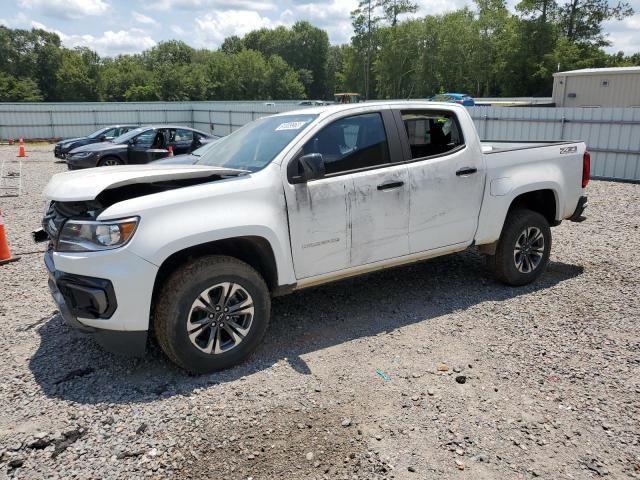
<point>290,126</point>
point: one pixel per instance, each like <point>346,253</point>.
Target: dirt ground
<point>431,371</point>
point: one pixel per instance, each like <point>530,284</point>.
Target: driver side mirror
<point>132,141</point>
<point>103,138</point>
<point>307,167</point>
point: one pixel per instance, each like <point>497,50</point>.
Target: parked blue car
<point>460,98</point>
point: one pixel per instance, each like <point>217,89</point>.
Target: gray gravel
<point>360,379</point>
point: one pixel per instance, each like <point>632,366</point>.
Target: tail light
<point>586,168</point>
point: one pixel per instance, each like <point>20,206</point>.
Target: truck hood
<point>83,185</point>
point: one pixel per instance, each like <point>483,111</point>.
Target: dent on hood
<point>91,209</point>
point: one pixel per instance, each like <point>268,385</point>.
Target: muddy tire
<point>522,253</point>
<point>211,314</point>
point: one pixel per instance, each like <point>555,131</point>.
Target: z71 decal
<point>565,150</point>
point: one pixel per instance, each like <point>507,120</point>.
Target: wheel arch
<point>544,201</point>
<point>111,155</point>
<point>253,250</point>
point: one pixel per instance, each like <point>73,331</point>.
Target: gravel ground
<point>432,371</point>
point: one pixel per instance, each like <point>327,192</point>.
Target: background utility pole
<point>368,56</point>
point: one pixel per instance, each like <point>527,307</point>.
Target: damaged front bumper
<point>87,302</point>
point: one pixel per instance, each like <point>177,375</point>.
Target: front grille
<point>52,222</point>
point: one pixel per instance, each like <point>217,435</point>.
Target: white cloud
<point>112,43</point>
<point>624,35</point>
<point>109,43</point>
<point>141,18</point>
<point>178,30</point>
<point>334,17</point>
<point>218,5</point>
<point>213,28</point>
<point>73,9</point>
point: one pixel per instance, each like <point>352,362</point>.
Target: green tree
<point>124,74</point>
<point>581,20</point>
<point>396,69</point>
<point>232,44</point>
<point>76,78</point>
<point>13,90</point>
<point>283,83</point>
<point>304,47</point>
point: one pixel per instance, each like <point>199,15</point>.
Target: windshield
<point>256,144</point>
<point>201,151</point>
<point>98,133</point>
<point>124,138</point>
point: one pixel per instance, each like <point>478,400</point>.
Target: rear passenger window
<point>431,132</point>
<point>183,135</point>
<point>351,143</point>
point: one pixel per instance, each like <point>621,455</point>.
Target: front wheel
<point>523,250</point>
<point>212,313</point>
<point>110,162</point>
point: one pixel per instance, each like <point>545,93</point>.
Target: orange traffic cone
<point>5,254</point>
<point>170,148</point>
<point>21,152</point>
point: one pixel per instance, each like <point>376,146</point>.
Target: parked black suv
<point>142,145</point>
<point>63,147</point>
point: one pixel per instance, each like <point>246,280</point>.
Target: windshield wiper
<point>235,172</point>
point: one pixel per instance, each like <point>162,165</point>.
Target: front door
<point>447,179</point>
<point>141,151</point>
<point>357,213</point>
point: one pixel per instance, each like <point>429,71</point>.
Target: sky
<point>113,27</point>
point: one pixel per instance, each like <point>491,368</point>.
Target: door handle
<point>390,185</point>
<point>464,171</point>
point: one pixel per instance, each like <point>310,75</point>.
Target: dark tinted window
<point>351,143</point>
<point>147,138</point>
<point>431,132</point>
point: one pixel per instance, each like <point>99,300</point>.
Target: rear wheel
<point>212,313</point>
<point>523,250</point>
<point>110,162</point>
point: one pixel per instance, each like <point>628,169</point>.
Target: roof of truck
<point>327,109</point>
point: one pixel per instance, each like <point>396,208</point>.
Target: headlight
<point>90,236</point>
<point>81,154</point>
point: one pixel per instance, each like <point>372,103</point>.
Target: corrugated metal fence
<point>59,120</point>
<point>612,134</point>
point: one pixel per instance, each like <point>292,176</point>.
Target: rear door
<point>182,141</point>
<point>446,179</point>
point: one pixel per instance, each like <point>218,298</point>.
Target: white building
<point>597,87</point>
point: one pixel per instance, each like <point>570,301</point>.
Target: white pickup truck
<point>194,253</point>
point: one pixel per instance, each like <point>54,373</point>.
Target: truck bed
<point>492,146</point>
